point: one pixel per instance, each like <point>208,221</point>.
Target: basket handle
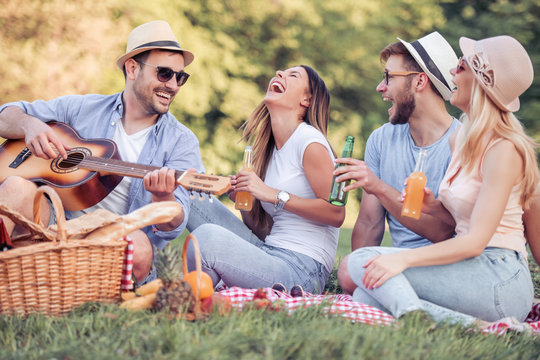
<point>198,265</point>
<point>58,210</point>
<point>19,219</point>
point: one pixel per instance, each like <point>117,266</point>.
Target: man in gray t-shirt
<point>417,81</point>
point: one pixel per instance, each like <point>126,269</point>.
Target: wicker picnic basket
<point>197,313</point>
<point>57,273</point>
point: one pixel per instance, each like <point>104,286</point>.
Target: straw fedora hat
<point>152,35</point>
<point>436,57</point>
<point>502,67</point>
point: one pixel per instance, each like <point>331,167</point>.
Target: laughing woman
<point>290,236</point>
<point>482,272</point>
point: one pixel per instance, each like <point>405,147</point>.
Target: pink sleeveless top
<point>459,199</point>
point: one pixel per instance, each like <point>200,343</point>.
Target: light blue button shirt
<point>170,144</point>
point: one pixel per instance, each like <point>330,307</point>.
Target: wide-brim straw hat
<point>502,67</point>
<point>153,35</point>
<point>436,57</point>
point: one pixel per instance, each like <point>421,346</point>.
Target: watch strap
<point>280,204</point>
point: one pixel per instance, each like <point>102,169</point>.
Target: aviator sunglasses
<point>165,74</point>
<point>387,75</point>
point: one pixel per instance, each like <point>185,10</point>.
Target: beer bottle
<point>244,199</point>
<point>337,196</point>
<point>414,193</point>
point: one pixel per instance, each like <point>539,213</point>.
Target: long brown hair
<point>258,126</point>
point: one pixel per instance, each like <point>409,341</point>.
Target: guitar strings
<point>133,169</point>
<point>102,164</point>
<point>136,170</point>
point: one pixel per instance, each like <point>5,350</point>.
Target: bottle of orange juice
<point>244,200</point>
<point>414,193</point>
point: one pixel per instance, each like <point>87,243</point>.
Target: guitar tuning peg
<point>208,195</point>
<point>191,194</point>
<point>201,197</point>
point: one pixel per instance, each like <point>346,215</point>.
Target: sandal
<point>297,291</point>
<point>279,287</point>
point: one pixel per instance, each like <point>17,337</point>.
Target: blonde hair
<point>488,119</point>
<point>258,126</point>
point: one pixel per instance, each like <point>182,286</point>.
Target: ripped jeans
<point>491,286</point>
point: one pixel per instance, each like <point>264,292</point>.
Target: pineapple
<point>175,295</point>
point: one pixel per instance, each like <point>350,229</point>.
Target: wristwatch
<point>281,199</point>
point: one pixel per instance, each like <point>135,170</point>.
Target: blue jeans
<point>232,253</point>
<point>491,286</point>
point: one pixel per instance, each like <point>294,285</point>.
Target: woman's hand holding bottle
<point>249,181</point>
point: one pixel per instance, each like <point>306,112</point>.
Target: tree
<point>53,47</point>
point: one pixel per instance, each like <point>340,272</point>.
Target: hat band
<point>163,43</point>
<point>430,64</point>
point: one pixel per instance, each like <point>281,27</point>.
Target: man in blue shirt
<point>137,119</point>
<point>417,80</point>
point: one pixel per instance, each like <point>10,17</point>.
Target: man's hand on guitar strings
<point>161,183</point>
<point>43,141</point>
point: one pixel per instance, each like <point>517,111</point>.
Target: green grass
<point>344,244</point>
<point>96,331</point>
<point>104,331</point>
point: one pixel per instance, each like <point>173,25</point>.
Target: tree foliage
<point>54,47</point>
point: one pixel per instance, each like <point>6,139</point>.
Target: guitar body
<point>79,188</point>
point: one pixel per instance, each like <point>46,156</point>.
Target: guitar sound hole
<point>74,158</point>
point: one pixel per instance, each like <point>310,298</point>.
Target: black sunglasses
<point>165,74</point>
<point>388,74</point>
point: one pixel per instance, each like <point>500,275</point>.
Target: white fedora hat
<point>153,35</point>
<point>436,57</point>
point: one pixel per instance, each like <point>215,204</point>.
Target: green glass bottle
<point>337,196</point>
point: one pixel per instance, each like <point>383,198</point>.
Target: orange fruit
<point>217,302</point>
<point>207,287</point>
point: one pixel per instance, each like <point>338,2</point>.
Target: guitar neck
<point>119,167</point>
<point>91,156</point>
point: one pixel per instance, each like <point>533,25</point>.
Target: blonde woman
<point>482,272</point>
<point>290,236</point>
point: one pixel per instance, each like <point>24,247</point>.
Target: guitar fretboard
<point>117,167</point>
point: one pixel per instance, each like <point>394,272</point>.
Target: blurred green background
<point>57,47</point>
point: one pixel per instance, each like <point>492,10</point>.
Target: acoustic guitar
<point>91,171</point>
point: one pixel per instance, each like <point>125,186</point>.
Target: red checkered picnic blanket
<point>343,305</point>
<point>334,304</point>
<point>127,268</point>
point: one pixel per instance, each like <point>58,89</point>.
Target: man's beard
<point>404,109</point>
<point>147,101</point>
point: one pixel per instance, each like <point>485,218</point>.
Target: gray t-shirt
<point>391,155</point>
